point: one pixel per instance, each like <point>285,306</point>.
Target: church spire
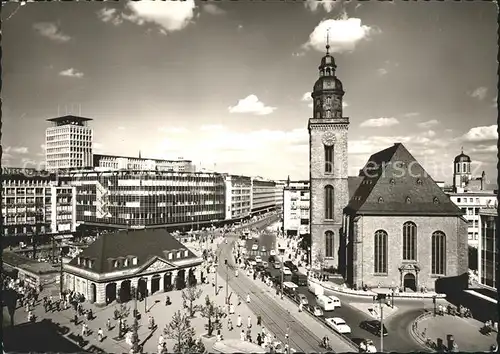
<point>139,153</point>
<point>328,41</point>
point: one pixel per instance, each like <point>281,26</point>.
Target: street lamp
<point>282,275</point>
<point>381,298</point>
<point>227,281</point>
<point>434,302</point>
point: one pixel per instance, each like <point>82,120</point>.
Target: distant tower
<point>328,163</point>
<point>461,171</point>
<point>68,143</point>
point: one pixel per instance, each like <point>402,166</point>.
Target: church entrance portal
<point>409,282</point>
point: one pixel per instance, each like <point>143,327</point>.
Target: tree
<point>135,336</point>
<point>211,312</point>
<point>320,260</point>
<point>190,295</point>
<point>194,346</point>
<point>179,330</point>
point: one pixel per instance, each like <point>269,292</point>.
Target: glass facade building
<point>488,248</point>
<point>263,195</point>
<point>138,199</point>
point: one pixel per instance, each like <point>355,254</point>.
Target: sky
<point>226,84</point>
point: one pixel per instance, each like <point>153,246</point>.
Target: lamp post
<point>434,302</point>
<point>282,275</point>
<point>381,298</point>
<point>227,281</point>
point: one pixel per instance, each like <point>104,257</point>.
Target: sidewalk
<point>162,315</point>
<point>464,330</point>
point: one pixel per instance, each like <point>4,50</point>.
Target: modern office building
<point>238,197</point>
<point>296,204</point>
<point>278,194</point>
<point>488,248</point>
<point>147,199</point>
<point>112,162</point>
<point>36,202</point>
<point>263,195</point>
<point>471,194</point>
<point>68,143</point>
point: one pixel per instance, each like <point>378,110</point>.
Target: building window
<point>438,253</point>
<point>329,202</point>
<point>409,241</point>
<point>458,200</point>
<point>380,255</point>
<point>408,200</point>
<point>458,167</point>
<point>329,244</point>
<point>170,255</point>
<point>134,261</point>
<point>328,159</point>
<point>380,199</point>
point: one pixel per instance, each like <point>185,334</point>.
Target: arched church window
<point>318,115</point>
<point>321,73</point>
<point>328,72</point>
<point>328,114</point>
<point>328,100</point>
<point>318,102</point>
<point>329,202</point>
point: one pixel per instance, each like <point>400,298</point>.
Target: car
<point>291,266</point>
<point>272,252</point>
<point>373,326</point>
<point>258,259</point>
<point>265,264</point>
<point>316,310</point>
<point>287,271</point>
<point>255,247</point>
<point>302,299</point>
<point>338,325</point>
<point>272,259</point>
<point>277,265</point>
<point>263,249</point>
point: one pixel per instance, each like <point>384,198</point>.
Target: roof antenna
<point>462,149</point>
<point>328,41</point>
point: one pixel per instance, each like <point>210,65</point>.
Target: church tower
<point>328,166</point>
<point>461,172</point>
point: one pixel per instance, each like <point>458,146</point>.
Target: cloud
<point>50,30</point>
<point>382,71</point>
<point>479,93</point>
<point>345,33</point>
<point>298,54</point>
<point>173,130</point>
<point>485,149</point>
<point>327,5</point>
<point>379,122</point>
<point>481,134</point>
<point>427,124</point>
<point>411,114</point>
<point>240,27</point>
<point>170,15</point>
<point>212,127</point>
<point>15,150</point>
<point>306,97</point>
<point>252,105</point>
<point>213,9</point>
<point>110,16</point>
<point>71,73</point>
<point>429,134</point>
<point>97,147</point>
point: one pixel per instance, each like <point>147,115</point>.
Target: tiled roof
<point>353,184</point>
<point>393,182</point>
<point>143,244</point>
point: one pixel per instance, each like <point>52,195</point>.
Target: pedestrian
<point>242,335</point>
<point>239,301</point>
<point>219,336</point>
<point>100,334</point>
<point>108,324</point>
<point>238,321</point>
<point>160,348</point>
<point>27,306</point>
<point>75,319</point>
<point>231,309</point>
<point>84,329</point>
<point>161,340</point>
<point>259,320</point>
<point>248,298</point>
<point>249,322</point>
<point>229,324</point>
<point>259,339</point>
<point>300,307</point>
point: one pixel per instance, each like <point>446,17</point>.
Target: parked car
<point>373,326</point>
<point>258,259</point>
<point>272,259</point>
<point>335,300</point>
<point>272,252</point>
<point>277,265</point>
<point>255,247</point>
<point>287,271</point>
<point>265,264</point>
<point>302,299</point>
<point>338,324</point>
<point>291,266</point>
<point>263,249</point>
<point>316,310</point>
<point>299,279</point>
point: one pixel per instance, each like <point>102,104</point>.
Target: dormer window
<point>408,200</point>
<point>170,255</point>
<point>115,264</point>
<point>91,263</point>
<point>125,262</point>
<point>436,200</point>
<point>186,253</point>
<point>134,261</point>
<point>380,199</point>
<point>178,255</point>
<point>419,181</point>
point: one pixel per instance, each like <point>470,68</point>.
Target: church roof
<point>394,183</point>
<point>144,244</point>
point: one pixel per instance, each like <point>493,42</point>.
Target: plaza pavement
<point>464,330</point>
<point>162,315</point>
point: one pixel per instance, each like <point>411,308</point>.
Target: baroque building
<point>328,168</point>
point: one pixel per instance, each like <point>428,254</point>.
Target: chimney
<point>483,181</point>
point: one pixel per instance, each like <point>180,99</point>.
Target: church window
<point>329,202</point>
<point>458,167</point>
<point>328,114</point>
<point>328,72</point>
<point>329,251</point>
<point>409,241</point>
<point>408,200</point>
<point>380,199</point>
<point>328,159</point>
<point>318,115</point>
<point>438,253</point>
<point>380,250</point>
